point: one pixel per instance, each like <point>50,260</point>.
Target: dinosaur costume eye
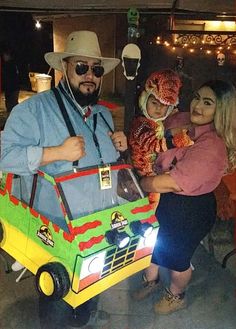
<point>165,86</point>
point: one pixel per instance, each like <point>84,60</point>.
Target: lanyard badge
<point>105,177</point>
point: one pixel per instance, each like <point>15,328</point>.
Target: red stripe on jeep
<point>14,199</point>
<point>91,242</point>
<point>56,228</point>
<point>149,220</point>
<point>87,226</point>
<point>89,172</point>
<point>77,174</point>
<point>68,237</point>
<point>44,220</point>
<point>9,179</point>
<point>34,212</point>
<point>24,205</point>
<point>145,208</point>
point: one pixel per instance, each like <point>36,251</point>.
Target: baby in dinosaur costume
<point>148,137</point>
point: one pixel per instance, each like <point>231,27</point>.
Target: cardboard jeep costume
<point>76,256</point>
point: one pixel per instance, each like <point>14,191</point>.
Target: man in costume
<point>37,135</point>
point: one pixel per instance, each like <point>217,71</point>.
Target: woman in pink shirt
<point>186,178</point>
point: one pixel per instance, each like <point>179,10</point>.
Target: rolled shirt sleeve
<point>20,150</point>
<point>34,156</point>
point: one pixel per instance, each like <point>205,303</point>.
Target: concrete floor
<point>211,301</point>
<point>211,294</point>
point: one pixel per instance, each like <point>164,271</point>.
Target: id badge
<point>105,177</point>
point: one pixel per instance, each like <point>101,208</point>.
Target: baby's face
<point>156,109</point>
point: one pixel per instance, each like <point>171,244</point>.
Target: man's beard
<point>85,99</point>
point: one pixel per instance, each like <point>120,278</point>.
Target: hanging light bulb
<point>38,24</point>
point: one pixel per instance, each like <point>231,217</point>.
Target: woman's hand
<point>178,130</point>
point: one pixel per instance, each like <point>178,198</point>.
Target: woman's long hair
<point>225,116</point>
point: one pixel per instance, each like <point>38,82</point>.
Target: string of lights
<point>201,41</point>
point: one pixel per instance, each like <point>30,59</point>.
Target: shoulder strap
<point>111,130</point>
<point>64,112</point>
<point>65,117</point>
<point>123,155</point>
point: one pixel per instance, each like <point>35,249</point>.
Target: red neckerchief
<point>87,114</point>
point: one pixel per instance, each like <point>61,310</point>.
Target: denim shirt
<point>37,123</point>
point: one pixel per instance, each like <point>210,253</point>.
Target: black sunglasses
<point>81,68</point>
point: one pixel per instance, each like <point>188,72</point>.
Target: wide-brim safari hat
<point>81,43</point>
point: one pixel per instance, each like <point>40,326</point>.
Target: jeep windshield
<point>81,191</point>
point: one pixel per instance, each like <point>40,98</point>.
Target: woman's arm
<point>161,183</point>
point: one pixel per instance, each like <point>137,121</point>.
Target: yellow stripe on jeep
<point>24,250</point>
<point>32,256</point>
<point>77,299</point>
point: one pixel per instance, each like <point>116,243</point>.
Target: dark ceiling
<point>60,6</point>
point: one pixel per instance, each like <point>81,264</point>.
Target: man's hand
<point>119,140</point>
<point>72,149</point>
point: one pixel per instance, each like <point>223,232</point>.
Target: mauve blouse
<point>197,169</point>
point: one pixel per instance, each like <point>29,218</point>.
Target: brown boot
<point>148,287</point>
<point>170,303</point>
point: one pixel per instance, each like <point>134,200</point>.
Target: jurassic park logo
<point>45,236</point>
<point>117,220</point>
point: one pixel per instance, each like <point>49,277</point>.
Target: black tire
<point>1,232</point>
<point>59,278</point>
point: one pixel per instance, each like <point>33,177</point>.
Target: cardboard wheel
<point>1,232</point>
<point>52,281</point>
